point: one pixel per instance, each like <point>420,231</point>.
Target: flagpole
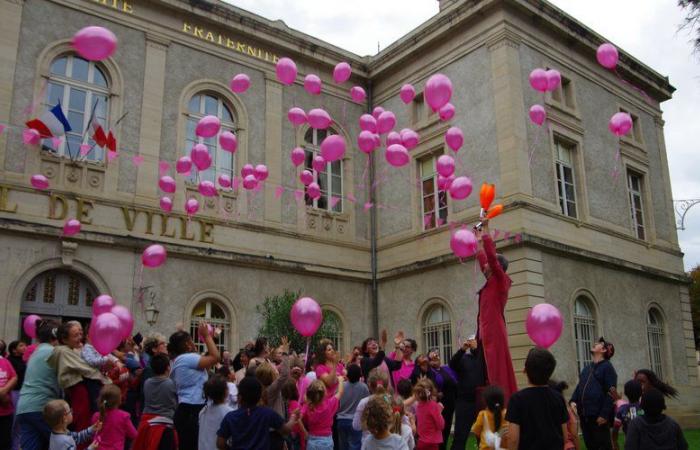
<point>92,117</point>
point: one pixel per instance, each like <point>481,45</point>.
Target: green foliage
<point>692,19</point>
<point>695,302</point>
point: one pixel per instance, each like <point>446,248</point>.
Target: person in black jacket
<point>654,430</point>
<point>594,397</point>
<point>446,383</point>
<point>469,368</point>
<point>374,355</point>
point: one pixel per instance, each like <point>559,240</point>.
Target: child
<point>377,418</point>
<point>290,394</point>
<point>117,426</point>
<point>628,411</point>
<point>571,441</point>
<point>654,430</point>
<point>377,382</point>
<point>491,426</point>
<point>428,416</point>
<point>160,401</point>
<point>210,417</point>
<point>537,415</point>
<point>354,391</point>
<point>230,377</point>
<point>318,412</point>
<point>249,426</point>
<point>404,426</point>
<point>58,416</point>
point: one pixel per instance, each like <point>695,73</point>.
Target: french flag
<point>52,123</point>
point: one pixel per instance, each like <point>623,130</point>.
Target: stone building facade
<point>601,247</point>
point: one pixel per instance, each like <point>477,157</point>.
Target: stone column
<point>273,147</point>
<point>666,177</point>
<point>9,43</point>
<point>688,339</point>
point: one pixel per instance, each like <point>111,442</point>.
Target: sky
<point>647,29</point>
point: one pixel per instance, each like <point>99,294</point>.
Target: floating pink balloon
<point>312,84</point>
<point>298,156</point>
<point>240,83</point>
<point>538,114</point>
<point>358,94</point>
<point>463,243</point>
<point>313,190</point>
<point>39,181</point>
<point>407,93</point>
<point>296,116</point>
<point>191,206</point>
<point>228,141</point>
<point>438,91</point>
<point>377,111</point>
<point>200,157</point>
<point>319,119</point>
<point>397,155</point>
<point>225,181</point>
<point>166,204</point>
<point>620,124</point>
<point>607,56</point>
<point>250,182</point>
<point>183,165</point>
<point>368,123</point>
<point>444,183</point>
<point>386,122</point>
<point>366,142</point>
<point>211,333</point>
<point>286,71</point>
<point>447,112</point>
<point>167,184</point>
<point>71,227</point>
<point>333,148</point>
<point>341,72</point>
<point>247,169</point>
<point>544,325</point>
<point>94,43</point>
<point>207,188</point>
<point>102,304</point>
<point>553,79</point>
<point>377,140</point>
<point>538,80</point>
<point>208,126</point>
<point>393,138</point>
<point>460,188</point>
<point>154,255</point>
<point>260,172</point>
<point>454,139</point>
<point>409,138</point>
<point>125,319</point>
<point>318,164</point>
<point>306,316</point>
<point>445,165</point>
<point>306,177</point>
<point>29,325</point>
<point>106,333</point>
<point>30,136</point>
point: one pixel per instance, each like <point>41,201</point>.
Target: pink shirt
<point>7,372</point>
<point>115,430</point>
<point>404,373</point>
<point>319,420</point>
<point>429,422</point>
<point>323,369</point>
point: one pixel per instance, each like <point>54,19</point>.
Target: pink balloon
<point>377,111</point>
<point>377,140</point>
<point>306,316</point>
<point>312,84</point>
<point>191,206</point>
<point>211,332</point>
<point>463,243</point>
<point>306,177</point>
<point>319,119</point>
<point>102,304</point>
<point>386,122</point>
<point>166,204</point>
<point>620,124</point>
<point>200,157</point>
<point>438,91</point>
<point>167,184</point>
<point>454,139</point>
<point>407,93</point>
<point>538,80</point>
<point>298,156</point>
<point>29,325</point>
<point>447,112</point>
<point>607,56</point>
<point>154,255</point>
<point>240,83</point>
<point>125,319</point>
<point>460,188</point>
<point>366,142</point>
<point>341,72</point>
<point>409,139</point>
<point>368,123</point>
<point>260,172</point>
<point>247,169</point>
<point>544,325</point>
<point>94,43</point>
<point>71,227</point>
<point>444,183</point>
<point>228,141</point>
<point>39,181</point>
<point>318,164</point>
<point>225,181</point>
<point>397,155</point>
<point>183,165</point>
<point>333,147</point>
<point>296,116</point>
<point>445,165</point>
<point>393,138</point>
<point>106,333</point>
<point>358,94</point>
<point>30,136</point>
<point>313,190</point>
<point>207,188</point>
<point>208,126</point>
<point>553,79</point>
<point>538,114</point>
<point>250,182</point>
<point>286,71</point>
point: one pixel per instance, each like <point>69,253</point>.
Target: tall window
<point>215,315</point>
<point>333,329</point>
<point>655,335</point>
<point>566,189</point>
<point>434,201</point>
<point>208,104</point>
<point>634,186</point>
<point>81,87</point>
<point>330,179</point>
<point>584,331</point>
<point>419,112</point>
<point>437,331</point>
<point>564,94</point>
<point>635,133</point>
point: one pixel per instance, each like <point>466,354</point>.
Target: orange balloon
<point>495,211</point>
<point>488,192</point>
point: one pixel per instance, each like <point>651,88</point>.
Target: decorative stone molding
<point>504,37</point>
<point>68,250</point>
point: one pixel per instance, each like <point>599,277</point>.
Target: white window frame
<point>314,147</point>
<point>437,335</point>
<point>585,331</point>
<point>655,340</point>
<point>222,341</point>
<point>437,208</point>
<point>560,166</point>
<point>637,193</point>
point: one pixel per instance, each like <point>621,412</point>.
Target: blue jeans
<point>319,443</point>
<point>34,433</point>
<point>348,437</point>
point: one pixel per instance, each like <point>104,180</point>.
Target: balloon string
<point>308,343</point>
<point>365,174</point>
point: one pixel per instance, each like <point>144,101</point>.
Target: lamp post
<point>151,313</point>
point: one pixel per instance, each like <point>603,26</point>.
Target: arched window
<point>330,180</point>
<point>584,330</point>
<point>216,316</point>
<point>82,88</point>
<point>210,104</point>
<point>332,329</point>
<point>655,336</point>
<point>437,331</point>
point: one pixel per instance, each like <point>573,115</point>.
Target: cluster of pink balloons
<point>544,325</point>
<point>111,324</point>
<point>543,80</point>
<point>306,316</point>
<point>252,175</point>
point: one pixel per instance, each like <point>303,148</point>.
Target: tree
<point>276,324</point>
<point>695,302</point>
<point>692,20</point>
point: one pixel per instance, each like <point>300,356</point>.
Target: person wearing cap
<point>595,395</point>
<point>468,367</point>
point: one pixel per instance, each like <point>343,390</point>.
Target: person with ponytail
<point>491,427</point>
<point>648,379</point>
<point>428,416</point>
<point>116,423</point>
<point>402,424</point>
<point>378,384</point>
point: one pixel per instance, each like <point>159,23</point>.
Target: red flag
<point>98,134</point>
<point>111,142</point>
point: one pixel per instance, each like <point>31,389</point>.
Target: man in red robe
<point>492,335</point>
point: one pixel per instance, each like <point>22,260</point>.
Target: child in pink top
<point>290,394</point>
<point>116,424</point>
<point>317,414</point>
<point>429,420</point>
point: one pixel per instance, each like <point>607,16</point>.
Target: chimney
<point>444,4</point>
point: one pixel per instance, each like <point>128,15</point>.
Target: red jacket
<point>492,333</point>
<point>430,422</point>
